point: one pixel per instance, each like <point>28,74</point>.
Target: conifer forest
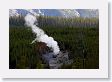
<point>79,36</point>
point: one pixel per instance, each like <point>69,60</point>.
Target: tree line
<point>46,21</point>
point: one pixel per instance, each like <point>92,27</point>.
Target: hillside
<point>67,13</point>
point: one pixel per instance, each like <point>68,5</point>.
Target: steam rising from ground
<point>40,35</point>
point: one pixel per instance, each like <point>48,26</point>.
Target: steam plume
<point>40,35</point>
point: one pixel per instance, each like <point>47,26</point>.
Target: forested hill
<point>46,21</point>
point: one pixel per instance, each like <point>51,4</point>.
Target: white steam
<point>40,35</point>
